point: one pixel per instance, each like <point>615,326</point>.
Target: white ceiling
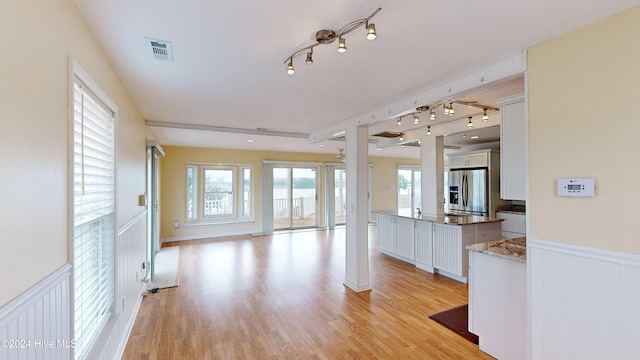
<point>227,78</point>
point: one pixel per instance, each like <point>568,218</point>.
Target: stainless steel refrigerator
<point>469,192</point>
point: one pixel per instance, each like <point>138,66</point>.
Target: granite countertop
<point>449,220</point>
<point>513,249</point>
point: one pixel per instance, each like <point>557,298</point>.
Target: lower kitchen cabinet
<point>386,232</point>
<point>447,248</point>
<point>396,237</point>
<point>405,239</point>
<point>424,245</point>
<point>498,305</point>
<point>433,246</point>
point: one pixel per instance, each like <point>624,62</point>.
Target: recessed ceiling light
<point>475,137</point>
<point>323,145</point>
<point>379,149</point>
<point>250,140</point>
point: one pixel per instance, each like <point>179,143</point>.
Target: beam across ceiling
<point>503,68</point>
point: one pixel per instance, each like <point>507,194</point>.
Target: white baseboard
<point>205,236</point>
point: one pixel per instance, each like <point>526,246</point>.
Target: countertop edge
<point>447,220</point>
<point>511,249</point>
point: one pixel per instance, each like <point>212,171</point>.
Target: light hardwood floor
<point>282,296</point>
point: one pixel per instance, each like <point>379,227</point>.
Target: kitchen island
<point>498,297</point>
<point>434,244</point>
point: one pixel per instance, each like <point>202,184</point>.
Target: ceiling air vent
<point>160,50</point>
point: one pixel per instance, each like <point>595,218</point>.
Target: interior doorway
<point>295,197</point>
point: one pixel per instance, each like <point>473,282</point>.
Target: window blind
<point>93,216</point>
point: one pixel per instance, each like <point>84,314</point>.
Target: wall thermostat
<point>576,187</point>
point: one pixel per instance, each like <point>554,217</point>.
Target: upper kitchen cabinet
<point>472,160</point>
<point>513,148</point>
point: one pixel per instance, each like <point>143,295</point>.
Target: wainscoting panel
<point>584,302</point>
<point>130,254</point>
<point>37,324</point>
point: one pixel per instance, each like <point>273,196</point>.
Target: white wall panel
<point>130,254</point>
<point>583,302</point>
<point>37,324</point>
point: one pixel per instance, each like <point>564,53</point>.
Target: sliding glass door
<point>409,189</point>
<point>295,197</point>
<point>340,196</point>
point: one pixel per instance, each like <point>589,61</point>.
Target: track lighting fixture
<point>329,36</point>
<point>401,137</point>
<point>428,130</point>
<point>470,124</point>
<point>485,117</point>
<point>290,69</point>
<point>416,119</point>
<point>446,109</point>
<point>451,111</point>
<point>432,116</point>
<point>399,121</point>
<point>342,46</point>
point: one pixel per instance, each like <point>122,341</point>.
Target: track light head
<point>309,60</point>
<point>485,117</point>
<point>428,130</point>
<point>401,137</point>
<point>290,69</point>
<point>451,111</point>
<point>342,46</point>
<point>399,121</point>
<point>432,116</point>
<point>416,119</point>
<point>470,124</point>
<point>371,31</point>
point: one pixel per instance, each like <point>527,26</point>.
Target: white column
<point>357,245</point>
<point>432,165</point>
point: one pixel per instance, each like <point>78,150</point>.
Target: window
<point>246,192</point>
<point>93,215</point>
<point>220,193</point>
<point>192,193</point>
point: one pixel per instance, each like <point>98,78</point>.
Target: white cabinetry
<point>386,232</point>
<point>514,225</point>
<point>513,148</point>
<point>396,237</point>
<point>498,305</point>
<point>424,245</point>
<point>447,248</point>
<point>472,160</point>
<point>405,241</point>
<point>433,246</point>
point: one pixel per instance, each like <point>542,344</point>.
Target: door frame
<point>152,201</point>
